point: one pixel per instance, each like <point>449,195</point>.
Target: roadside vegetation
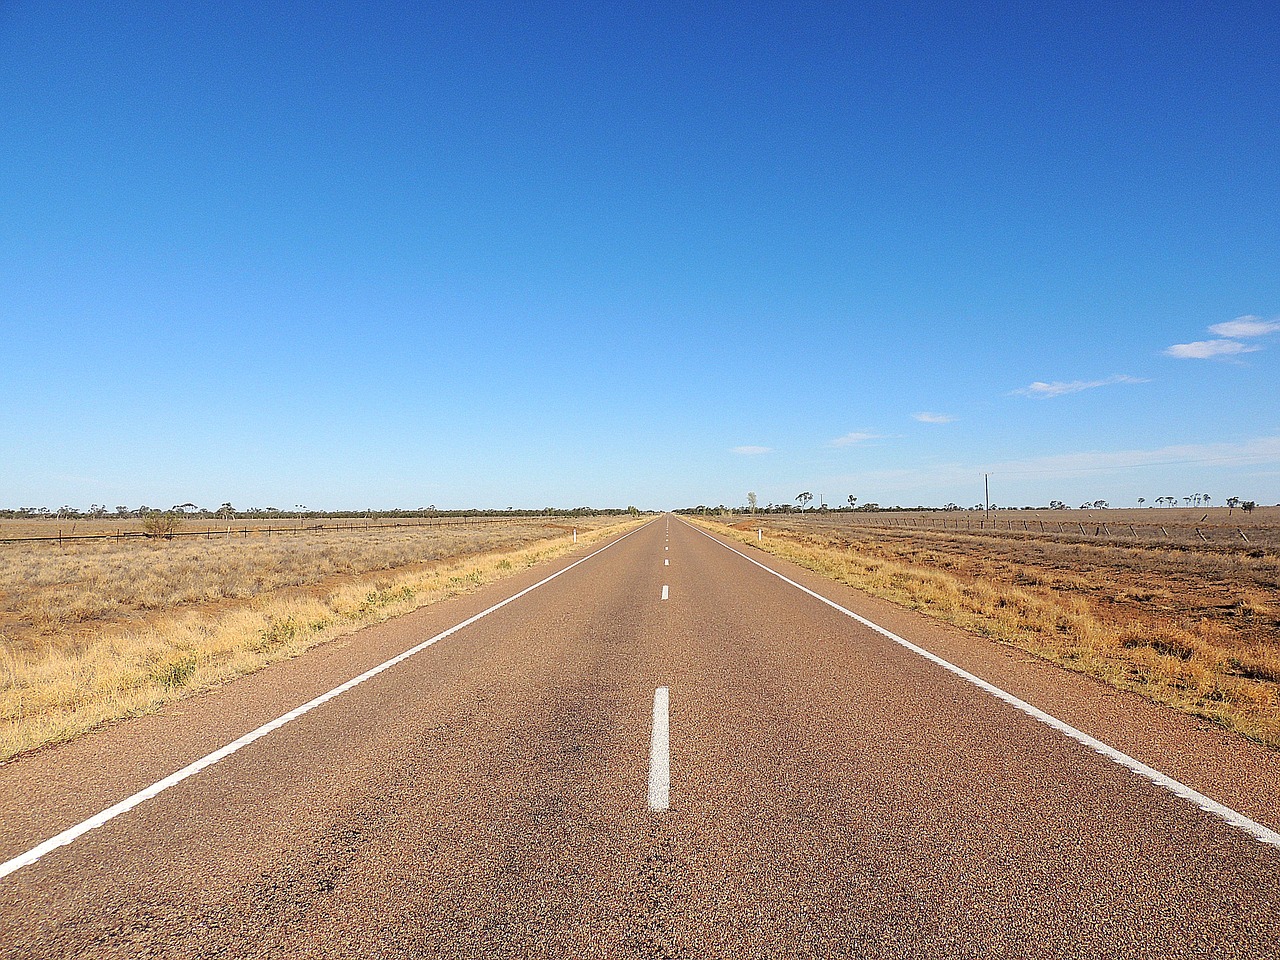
<point>1192,625</point>
<point>97,630</point>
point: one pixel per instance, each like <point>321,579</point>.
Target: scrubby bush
<point>161,524</point>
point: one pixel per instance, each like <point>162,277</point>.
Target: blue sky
<point>532,254</point>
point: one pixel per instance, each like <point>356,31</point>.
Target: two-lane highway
<point>666,750</point>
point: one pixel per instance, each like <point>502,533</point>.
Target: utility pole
<point>986,491</point>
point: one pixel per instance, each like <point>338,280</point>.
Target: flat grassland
<point>91,631</point>
<point>1182,609</point>
<point>51,528</point>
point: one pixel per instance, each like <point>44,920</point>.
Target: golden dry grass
<point>1198,630</point>
<point>97,631</point>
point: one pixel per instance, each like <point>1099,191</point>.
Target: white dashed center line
<point>660,753</point>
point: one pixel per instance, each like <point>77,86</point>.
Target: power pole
<point>986,490</point>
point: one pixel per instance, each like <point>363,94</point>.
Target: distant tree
<point>853,501</point>
<point>226,512</point>
<point>1057,505</point>
<point>1141,501</point>
<point>751,501</point>
<point>122,511</point>
<point>1232,503</point>
<point>1247,506</point>
<point>1186,500</point>
<point>1206,498</point>
<point>804,498</point>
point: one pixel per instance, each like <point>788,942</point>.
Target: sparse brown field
<point>1191,624</point>
<point>1199,527</point>
<point>52,528</point>
<point>96,630</point>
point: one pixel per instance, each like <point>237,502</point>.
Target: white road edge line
<point>666,563</point>
<point>1236,819</point>
<point>664,591</point>
<point>124,806</point>
<point>660,753</point>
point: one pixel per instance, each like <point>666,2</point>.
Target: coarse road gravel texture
<point>831,794</point>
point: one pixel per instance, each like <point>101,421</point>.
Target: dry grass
<point>1200,528</point>
<point>1197,629</point>
<point>98,631</point>
<point>108,527</point>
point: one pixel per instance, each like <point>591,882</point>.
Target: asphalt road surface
<point>664,751</point>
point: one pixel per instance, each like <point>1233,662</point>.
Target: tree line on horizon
<point>228,512</point>
<point>851,505</point>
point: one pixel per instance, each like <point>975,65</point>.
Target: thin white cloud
<point>1230,333</point>
<point>849,439</point>
<point>1207,349</point>
<point>1245,327</point>
<point>904,480</point>
<point>752,451</point>
<point>1060,388</point>
<point>934,417</point>
<point>1259,450</point>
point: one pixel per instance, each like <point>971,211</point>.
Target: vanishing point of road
<point>668,746</point>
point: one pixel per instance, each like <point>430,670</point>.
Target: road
<point>665,750</point>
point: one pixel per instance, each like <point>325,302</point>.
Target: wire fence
<point>231,532</point>
<point>1222,535</point>
<point>1089,528</point>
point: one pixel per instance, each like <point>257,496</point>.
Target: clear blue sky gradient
<point>532,254</point>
